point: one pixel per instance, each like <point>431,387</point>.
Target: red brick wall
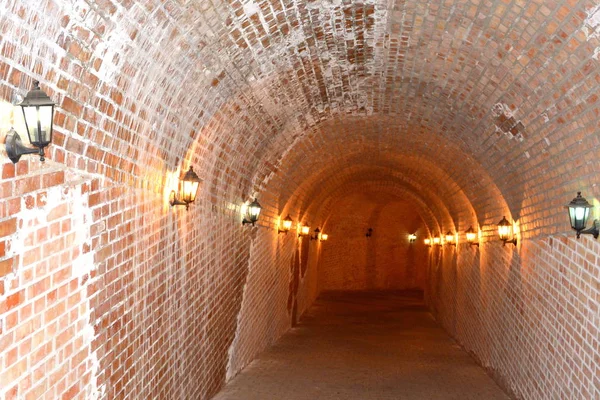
<point>468,111</point>
<point>526,313</point>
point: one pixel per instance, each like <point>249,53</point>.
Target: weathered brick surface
<point>468,110</point>
<point>527,314</point>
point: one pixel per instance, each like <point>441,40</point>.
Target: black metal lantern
<point>316,235</point>
<point>38,111</point>
<point>579,213</point>
<point>450,239</point>
<point>472,237</point>
<point>286,225</point>
<point>252,213</point>
<point>369,232</point>
<point>189,190</point>
<point>304,230</point>
<point>505,232</point>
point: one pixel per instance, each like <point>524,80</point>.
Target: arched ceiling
<point>500,96</point>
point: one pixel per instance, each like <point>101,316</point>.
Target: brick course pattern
<point>466,110</point>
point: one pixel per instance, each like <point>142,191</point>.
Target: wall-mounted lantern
<point>505,232</point>
<point>427,242</point>
<point>450,239</point>
<point>188,190</point>
<point>252,213</point>
<point>412,238</point>
<point>38,111</point>
<point>437,240</point>
<point>316,235</point>
<point>472,237</point>
<point>304,230</point>
<point>324,237</point>
<point>579,213</point>
<point>286,225</point>
<point>369,232</point>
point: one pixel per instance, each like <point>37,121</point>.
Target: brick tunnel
<point>397,116</point>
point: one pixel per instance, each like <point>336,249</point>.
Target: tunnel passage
<point>384,260</point>
<point>467,111</point>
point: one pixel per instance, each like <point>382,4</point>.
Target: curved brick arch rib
<point>394,189</point>
<point>353,141</point>
<point>358,180</point>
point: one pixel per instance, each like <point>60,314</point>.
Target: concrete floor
<point>364,346</point>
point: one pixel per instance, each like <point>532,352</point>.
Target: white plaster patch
<point>591,25</point>
<point>251,8</point>
<point>591,28</point>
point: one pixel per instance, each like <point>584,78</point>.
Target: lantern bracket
<point>512,241</point>
<point>594,230</point>
<point>15,147</point>
<point>174,201</point>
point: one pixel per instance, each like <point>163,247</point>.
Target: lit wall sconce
<point>472,237</point>
<point>38,111</point>
<point>316,235</point>
<point>304,230</point>
<point>427,242</point>
<point>285,225</point>
<point>579,213</point>
<point>252,213</point>
<point>450,239</point>
<point>188,190</point>
<point>505,232</point>
<point>324,237</point>
<point>369,232</point>
<point>412,238</point>
<point>437,241</point>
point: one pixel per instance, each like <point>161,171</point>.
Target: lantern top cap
<point>191,176</point>
<point>503,222</point>
<point>36,97</point>
<point>470,230</point>
<point>317,230</point>
<point>288,218</point>
<point>579,202</point>
<point>255,203</point>
<point>449,233</point>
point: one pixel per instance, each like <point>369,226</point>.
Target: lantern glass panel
<point>504,229</point>
<point>190,190</point>
<point>471,237</point>
<point>579,217</point>
<point>324,237</point>
<point>254,211</point>
<point>44,114</point>
<point>286,224</point>
<point>305,230</point>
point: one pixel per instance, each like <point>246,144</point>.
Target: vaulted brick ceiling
<point>493,100</point>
